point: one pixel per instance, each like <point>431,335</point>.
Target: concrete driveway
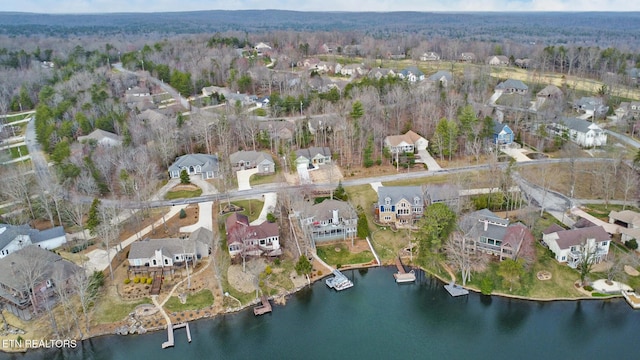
<point>207,188</point>
<point>243,178</point>
<point>205,218</point>
<point>427,159</point>
<point>517,154</point>
<point>270,200</point>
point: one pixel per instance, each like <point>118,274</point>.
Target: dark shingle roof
<point>397,193</point>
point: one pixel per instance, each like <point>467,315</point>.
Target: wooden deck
<point>157,284</point>
<point>264,308</point>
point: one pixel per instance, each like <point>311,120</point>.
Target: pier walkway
<point>264,308</point>
<point>402,276</point>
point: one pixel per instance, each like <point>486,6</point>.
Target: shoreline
<point>286,295</point>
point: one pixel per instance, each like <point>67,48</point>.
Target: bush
<point>268,270</point>
<point>271,218</point>
<point>276,262</point>
<point>127,281</point>
<point>631,244</point>
<point>486,286</point>
<point>588,288</point>
<point>183,214</point>
<point>136,280</point>
<point>149,281</point>
<point>319,273</point>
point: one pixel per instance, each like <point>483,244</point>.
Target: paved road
<point>38,160</point>
<point>625,139</point>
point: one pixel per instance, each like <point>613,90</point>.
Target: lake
<point>379,319</point>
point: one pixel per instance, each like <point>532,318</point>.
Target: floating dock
<point>456,290</point>
<point>263,308</point>
<point>402,276</point>
<point>338,281</point>
<point>632,298</point>
<point>170,329</point>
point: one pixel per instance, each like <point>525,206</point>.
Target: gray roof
<point>54,264</point>
<point>207,162</point>
<point>576,124</point>
<point>550,90</point>
<point>36,236</point>
<point>512,84</point>
<point>146,248</point>
<point>255,157</point>
<point>324,210</point>
<point>313,152</point>
<point>397,193</point>
<point>441,74</point>
<point>99,134</point>
<point>474,223</point>
<point>202,235</point>
<point>568,238</point>
<point>412,70</point>
<point>443,192</point>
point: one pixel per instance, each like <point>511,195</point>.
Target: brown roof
<point>568,238</point>
<point>553,228</point>
<point>409,137</point>
<point>516,234</point>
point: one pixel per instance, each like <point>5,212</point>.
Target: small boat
<point>338,281</point>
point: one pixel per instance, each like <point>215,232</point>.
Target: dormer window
<point>387,201</point>
<point>416,200</point>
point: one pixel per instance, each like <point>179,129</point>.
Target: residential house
<point>330,220</point>
<point>276,130</point>
<point>494,235</point>
<point>29,278</point>
<point>511,86</point>
<point>14,238</point>
<point>593,106</point>
<point>309,63</point>
<point>498,60</point>
<point>629,222</point>
<point>262,48</point>
<point>166,255</point>
<point>429,56</point>
<point>634,74</point>
<point>577,245</point>
<point>400,206</point>
<point>251,240</point>
<point>396,56</point>
<point>243,99</point>
<point>313,156</point>
<point>102,137</point>
<point>550,92</point>
<point>502,134</point>
<point>242,160</point>
<point>448,194</point>
<point>326,66</point>
<point>442,77</point>
<point>411,74</point>
<point>467,57</point>
<point>352,70</point>
<point>196,164</point>
<point>523,63</point>
<point>582,132</point>
<point>409,142</point>
<point>379,73</point>
<point>628,109</point>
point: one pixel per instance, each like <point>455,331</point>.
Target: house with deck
<point>204,165</point>
<point>400,206</point>
<point>576,245</point>
<point>251,240</point>
<point>30,278</point>
<point>167,255</point>
<point>330,220</point>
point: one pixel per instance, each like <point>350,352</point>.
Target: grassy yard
<point>183,194</point>
<point>199,300</point>
<point>18,151</point>
<point>17,117</point>
<point>257,179</point>
<point>109,309</point>
<point>252,208</point>
<point>278,279</point>
<point>602,212</point>
<point>339,254</point>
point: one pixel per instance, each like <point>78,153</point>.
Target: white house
<point>406,143</point>
<point>571,246</point>
<point>14,238</point>
<point>429,56</point>
<point>412,74</point>
<point>169,253</point>
<point>498,60</point>
<point>582,132</point>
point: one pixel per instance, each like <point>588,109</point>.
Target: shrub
<point>588,288</point>
<point>149,281</point>
<point>127,281</point>
<point>183,214</point>
<point>319,273</point>
<point>631,244</point>
<point>268,270</point>
<point>271,218</point>
<point>276,262</point>
<point>486,286</point>
<point>338,266</point>
<point>136,280</point>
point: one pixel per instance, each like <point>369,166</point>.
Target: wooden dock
<point>632,298</point>
<point>264,308</point>
<point>157,284</point>
<point>402,276</point>
<point>456,290</point>
<point>170,340</point>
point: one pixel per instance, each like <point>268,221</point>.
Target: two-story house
<point>330,220</point>
<point>251,240</point>
<point>411,74</point>
<point>581,132</point>
<point>14,238</point>
<point>502,134</point>
<point>401,206</point>
<point>576,245</point>
<point>498,60</point>
<point>430,56</point>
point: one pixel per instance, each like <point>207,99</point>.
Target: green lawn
<point>18,151</point>
<point>602,212</point>
<point>182,194</point>
<point>257,179</point>
<point>252,208</point>
<point>332,256</point>
<point>17,117</point>
<point>199,300</point>
<point>110,310</point>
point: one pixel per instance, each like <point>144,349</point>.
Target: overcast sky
<point>101,6</point>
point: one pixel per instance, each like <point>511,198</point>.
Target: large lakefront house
<point>401,206</point>
<point>252,240</point>
<point>572,246</point>
<point>330,220</point>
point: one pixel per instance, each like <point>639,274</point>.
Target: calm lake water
<point>379,319</point>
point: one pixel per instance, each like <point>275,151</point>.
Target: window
<point>564,258</point>
<point>166,261</point>
<point>387,201</point>
<point>605,243</point>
